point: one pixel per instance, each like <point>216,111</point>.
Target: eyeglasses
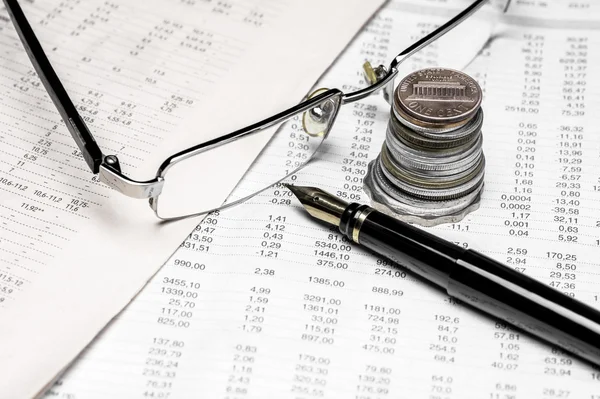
<point>292,137</point>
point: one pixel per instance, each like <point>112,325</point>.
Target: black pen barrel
<point>528,304</point>
<point>480,281</point>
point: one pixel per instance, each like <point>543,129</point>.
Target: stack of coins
<point>431,166</point>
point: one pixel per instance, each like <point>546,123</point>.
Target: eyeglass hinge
<point>110,174</point>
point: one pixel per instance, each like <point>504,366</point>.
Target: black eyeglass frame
<point>108,167</point>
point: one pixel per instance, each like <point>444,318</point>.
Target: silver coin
<point>444,165</point>
<point>455,138</point>
<point>422,212</point>
<point>438,97</point>
<point>430,186</point>
<point>472,125</point>
<point>400,192</point>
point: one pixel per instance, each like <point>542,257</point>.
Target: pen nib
<point>319,204</point>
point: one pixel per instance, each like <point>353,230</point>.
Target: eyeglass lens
<point>291,144</point>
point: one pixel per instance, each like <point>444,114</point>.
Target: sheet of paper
<point>262,302</point>
<point>73,252</point>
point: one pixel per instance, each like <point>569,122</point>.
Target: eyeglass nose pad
<point>315,121</point>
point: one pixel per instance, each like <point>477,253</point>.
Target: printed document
<point>148,78</point>
<point>262,302</point>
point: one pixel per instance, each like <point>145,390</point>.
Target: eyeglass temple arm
<point>108,167</point>
<point>75,124</point>
<point>436,34</point>
<point>385,77</point>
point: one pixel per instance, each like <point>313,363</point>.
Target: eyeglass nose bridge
<point>378,74</point>
<point>383,78</point>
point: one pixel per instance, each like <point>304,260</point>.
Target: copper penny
<point>438,96</point>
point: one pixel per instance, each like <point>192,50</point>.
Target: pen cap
<point>528,304</point>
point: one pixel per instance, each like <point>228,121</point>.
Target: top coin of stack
<point>437,99</point>
<point>431,167</point>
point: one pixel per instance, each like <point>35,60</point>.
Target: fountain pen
<point>467,275</point>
